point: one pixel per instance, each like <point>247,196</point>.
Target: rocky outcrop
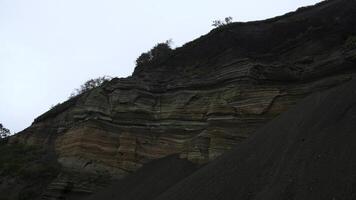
<point>210,95</point>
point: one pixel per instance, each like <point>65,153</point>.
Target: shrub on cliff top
<point>89,85</point>
<point>157,54</point>
<point>4,132</point>
<point>219,23</point>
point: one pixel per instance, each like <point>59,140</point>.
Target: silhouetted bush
<point>219,23</point>
<point>157,54</point>
<point>4,132</point>
<point>89,85</point>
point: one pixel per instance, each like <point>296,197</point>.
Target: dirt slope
<point>149,181</point>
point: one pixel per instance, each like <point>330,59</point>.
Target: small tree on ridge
<point>4,132</point>
<point>158,53</point>
<point>219,23</point>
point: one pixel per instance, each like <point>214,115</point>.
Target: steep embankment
<point>210,95</point>
<point>149,181</point>
<point>308,152</point>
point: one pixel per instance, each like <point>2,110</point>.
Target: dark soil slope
<point>308,152</point>
<point>150,181</point>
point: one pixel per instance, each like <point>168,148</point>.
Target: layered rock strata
<point>210,94</point>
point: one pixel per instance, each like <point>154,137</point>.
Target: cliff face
<point>306,153</point>
<point>210,95</point>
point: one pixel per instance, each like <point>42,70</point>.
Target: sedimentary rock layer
<point>208,96</point>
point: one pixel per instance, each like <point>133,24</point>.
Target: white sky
<point>50,47</point>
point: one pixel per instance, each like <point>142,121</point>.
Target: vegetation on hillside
<point>350,42</point>
<point>219,23</point>
<point>32,167</point>
<point>24,161</point>
<point>89,85</point>
<point>4,132</point>
<point>157,54</point>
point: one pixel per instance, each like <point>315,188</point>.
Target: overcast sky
<point>50,47</point>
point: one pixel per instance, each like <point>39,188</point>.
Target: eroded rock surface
<point>210,95</point>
